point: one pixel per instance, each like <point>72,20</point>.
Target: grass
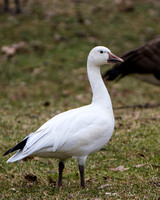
<point>49,76</point>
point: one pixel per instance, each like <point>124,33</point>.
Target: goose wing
<point>68,131</point>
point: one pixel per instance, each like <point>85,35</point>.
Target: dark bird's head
<point>144,62</point>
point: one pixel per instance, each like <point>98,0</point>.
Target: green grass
<point>52,68</point>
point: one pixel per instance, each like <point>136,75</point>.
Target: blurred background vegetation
<point>43,52</point>
<point>53,40</point>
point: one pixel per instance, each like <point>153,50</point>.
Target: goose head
<point>101,55</point>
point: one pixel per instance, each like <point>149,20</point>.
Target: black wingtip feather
<point>17,147</point>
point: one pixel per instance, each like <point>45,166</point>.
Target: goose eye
<point>101,51</point>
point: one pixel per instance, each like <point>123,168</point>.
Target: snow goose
<point>78,132</point>
<point>144,62</point>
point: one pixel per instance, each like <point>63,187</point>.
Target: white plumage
<point>78,132</point>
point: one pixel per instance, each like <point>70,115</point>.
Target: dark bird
<point>17,6</point>
<point>143,61</point>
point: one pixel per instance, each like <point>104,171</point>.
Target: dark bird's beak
<point>114,59</point>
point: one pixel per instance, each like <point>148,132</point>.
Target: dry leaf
<point>120,168</point>
<point>125,5</point>
<point>37,71</point>
<point>10,50</point>
<point>51,181</point>
<point>103,186</point>
<point>19,45</point>
<point>140,165</point>
<point>70,196</point>
<point>156,183</point>
<point>90,180</point>
<point>110,193</point>
<point>30,177</point>
<point>52,171</point>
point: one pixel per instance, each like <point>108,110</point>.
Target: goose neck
<point>99,90</point>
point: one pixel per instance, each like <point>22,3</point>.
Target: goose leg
<point>61,167</point>
<point>17,4</point>
<point>6,5</point>
<point>81,171</point>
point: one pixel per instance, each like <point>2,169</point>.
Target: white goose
<point>78,132</point>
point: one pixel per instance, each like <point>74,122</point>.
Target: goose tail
<point>16,157</point>
<point>19,155</point>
